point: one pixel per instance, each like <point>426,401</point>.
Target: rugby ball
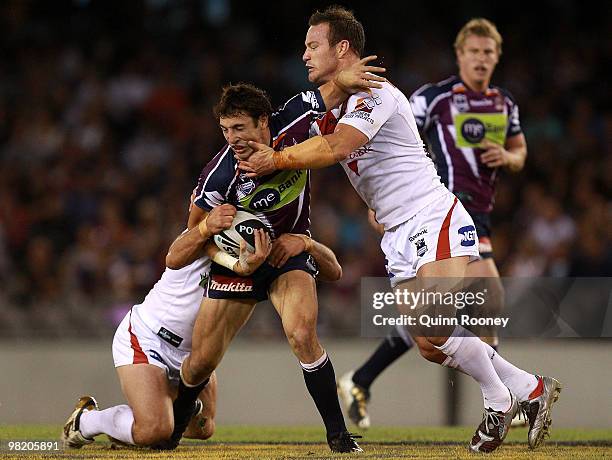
<point>243,228</point>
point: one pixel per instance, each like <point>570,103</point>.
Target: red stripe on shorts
<point>139,356</point>
<point>443,251</point>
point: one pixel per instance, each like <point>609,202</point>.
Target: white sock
<point>115,421</point>
<point>318,364</point>
<point>469,354</point>
<point>521,383</point>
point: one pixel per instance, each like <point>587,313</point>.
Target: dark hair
<point>342,26</point>
<point>243,99</point>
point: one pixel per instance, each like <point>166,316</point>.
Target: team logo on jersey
<point>421,247</point>
<point>473,130</point>
<point>468,235</point>
<point>245,188</point>
<point>461,102</point>
<point>265,199</point>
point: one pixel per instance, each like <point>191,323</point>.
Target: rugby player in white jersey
<point>148,348</point>
<point>472,129</point>
<point>155,337</point>
<point>378,144</point>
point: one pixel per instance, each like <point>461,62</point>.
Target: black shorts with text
<point>225,284</point>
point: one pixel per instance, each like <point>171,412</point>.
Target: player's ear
<point>342,47</point>
<point>263,121</point>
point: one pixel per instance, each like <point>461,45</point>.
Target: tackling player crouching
<point>155,337</point>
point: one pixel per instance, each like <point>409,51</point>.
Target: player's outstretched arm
<point>188,246</point>
<point>354,79</point>
<point>314,153</point>
<point>248,261</point>
<point>291,244</point>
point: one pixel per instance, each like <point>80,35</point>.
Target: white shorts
<point>135,343</point>
<point>441,230</point>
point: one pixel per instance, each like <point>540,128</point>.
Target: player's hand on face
<point>220,218</point>
<point>494,155</point>
<point>260,162</point>
<point>284,247</point>
<point>249,261</point>
<point>359,76</point>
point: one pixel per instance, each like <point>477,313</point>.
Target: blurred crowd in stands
<point>106,122</point>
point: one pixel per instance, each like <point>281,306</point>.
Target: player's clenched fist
<point>220,218</point>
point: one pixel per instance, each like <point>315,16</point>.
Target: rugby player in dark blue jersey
<point>282,201</point>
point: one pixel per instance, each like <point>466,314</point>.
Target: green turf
<point>273,442</point>
<point>314,434</point>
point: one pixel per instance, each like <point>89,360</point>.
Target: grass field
<point>267,442</point>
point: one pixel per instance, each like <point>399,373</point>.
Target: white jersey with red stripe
<point>391,172</point>
<point>171,306</point>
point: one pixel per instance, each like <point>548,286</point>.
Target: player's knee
<point>303,337</point>
<point>152,431</point>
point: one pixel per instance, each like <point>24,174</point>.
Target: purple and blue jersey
<point>454,121</point>
<point>282,199</point>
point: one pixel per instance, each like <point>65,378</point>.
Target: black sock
<point>185,399</point>
<point>388,351</point>
<point>321,384</point>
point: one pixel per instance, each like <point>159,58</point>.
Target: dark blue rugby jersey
<point>454,120</point>
<point>282,199</point>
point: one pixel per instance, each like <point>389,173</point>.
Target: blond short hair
<point>481,27</point>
